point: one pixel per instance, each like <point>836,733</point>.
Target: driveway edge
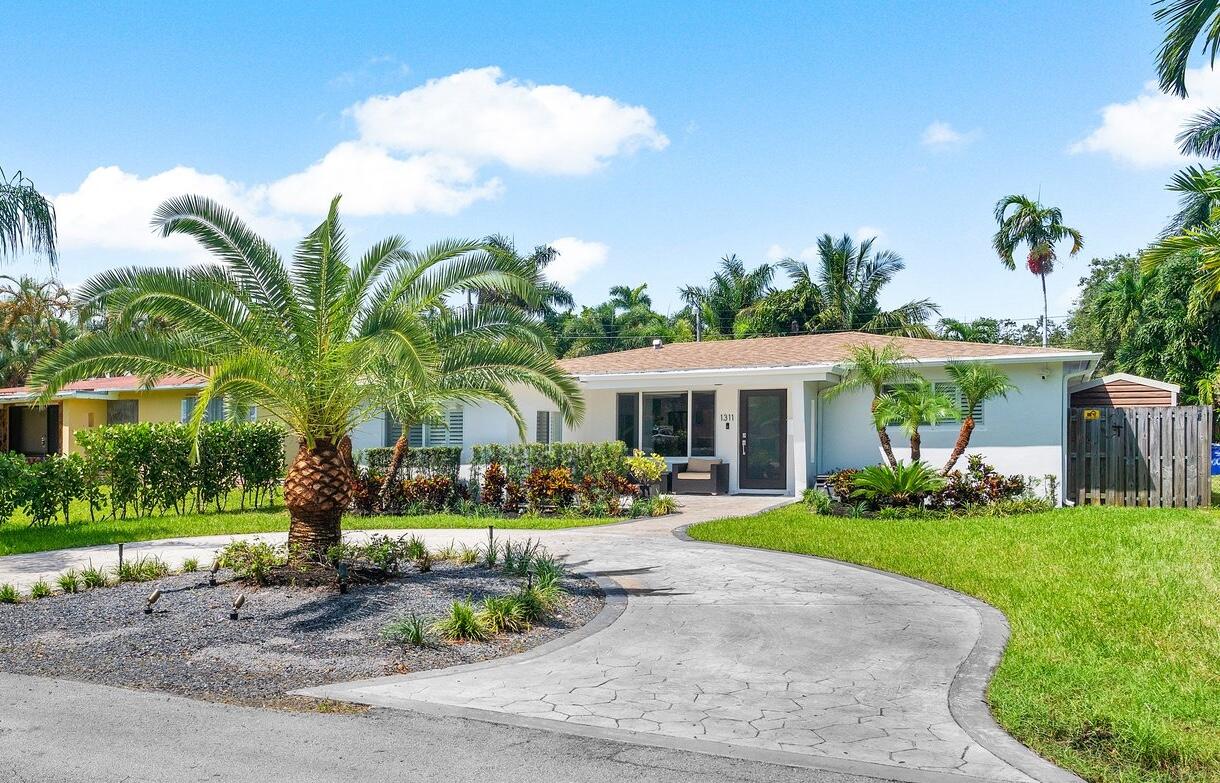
<point>968,690</point>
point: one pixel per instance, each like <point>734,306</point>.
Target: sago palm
<point>874,367</point>
<point>977,382</point>
<point>1023,221</point>
<point>911,406</point>
<point>478,365</point>
<point>299,341</point>
<point>27,219</point>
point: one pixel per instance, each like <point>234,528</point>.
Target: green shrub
<point>503,614</point>
<point>645,468</point>
<point>817,500</point>
<point>463,623</point>
<point>190,565</point>
<point>538,601</point>
<point>51,486</point>
<point>69,582</point>
<point>841,483</point>
<point>40,589</point>
<point>14,478</point>
<point>411,629</point>
<point>662,505</point>
<point>9,594</point>
<point>142,569</point>
<point>979,485</point>
<point>901,485</point>
<point>93,577</point>
<point>252,561</point>
<point>519,460</point>
<point>549,489</point>
<point>430,461</point>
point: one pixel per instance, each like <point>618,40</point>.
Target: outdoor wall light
<point>342,569</point>
<point>152,599</point>
<point>238,603</point>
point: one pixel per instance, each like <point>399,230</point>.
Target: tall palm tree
<point>912,405</point>
<point>27,219</point>
<point>875,367</point>
<point>733,290</point>
<point>551,295</point>
<point>34,318</point>
<point>1203,242</point>
<point>300,341</point>
<point>844,289</point>
<point>1025,221</point>
<point>978,382</point>
<point>478,365</point>
<point>1185,20</point>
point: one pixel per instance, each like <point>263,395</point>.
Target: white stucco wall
<point>1021,434</point>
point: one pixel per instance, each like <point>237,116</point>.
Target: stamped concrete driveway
<point>743,653</point>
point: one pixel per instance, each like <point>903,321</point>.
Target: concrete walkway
<point>744,653</point>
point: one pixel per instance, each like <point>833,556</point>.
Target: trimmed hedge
<point>145,468</point>
<point>520,459</point>
<point>426,462</point>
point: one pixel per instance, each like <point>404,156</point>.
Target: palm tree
<point>978,382</point>
<point>33,320</point>
<point>843,291</point>
<point>1200,197</point>
<point>1038,227</point>
<point>551,295</point>
<point>1185,20</point>
<point>733,290</point>
<point>27,219</point>
<point>478,365</point>
<point>1203,242</point>
<point>912,405</point>
<point>301,342</point>
<point>874,368</point>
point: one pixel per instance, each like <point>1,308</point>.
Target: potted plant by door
<point>646,470</point>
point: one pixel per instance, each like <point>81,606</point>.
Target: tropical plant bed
<point>285,638</point>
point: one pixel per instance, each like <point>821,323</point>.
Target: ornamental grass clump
<point>69,582</point>
<point>503,614</point>
<point>94,577</point>
<point>190,565</point>
<point>142,569</point>
<point>9,594</point>
<point>462,624</point>
<point>412,630</point>
<point>40,589</point>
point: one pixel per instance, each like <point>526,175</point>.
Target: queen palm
<point>1024,221</point>
<point>299,341</point>
<point>977,382</point>
<point>912,405</point>
<point>27,219</point>
<point>875,367</point>
<point>479,363</point>
<point>733,290</point>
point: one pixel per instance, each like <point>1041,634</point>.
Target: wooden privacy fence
<point>1140,456</point>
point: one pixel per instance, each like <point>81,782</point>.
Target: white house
<point>757,405</point>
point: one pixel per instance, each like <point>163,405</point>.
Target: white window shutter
<point>456,422</point>
<point>415,436</point>
<point>542,429</point>
<point>556,430</point>
<point>187,408</point>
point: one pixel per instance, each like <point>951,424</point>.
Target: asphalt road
<point>58,730</point>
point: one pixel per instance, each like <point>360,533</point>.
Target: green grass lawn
<point>18,537</point>
<point>1113,667</point>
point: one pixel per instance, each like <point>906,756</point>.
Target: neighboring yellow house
<point>38,431</point>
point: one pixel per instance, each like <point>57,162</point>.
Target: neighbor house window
<point>215,411</point>
<point>627,423</point>
<point>666,417</point>
<point>446,432</point>
<point>122,411</point>
<point>702,424</point>
<point>548,427</point>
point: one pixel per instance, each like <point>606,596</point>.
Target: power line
<point>643,336</point>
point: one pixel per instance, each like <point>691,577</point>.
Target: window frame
<point>952,390</point>
<point>689,393</point>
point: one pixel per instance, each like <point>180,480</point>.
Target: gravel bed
<point>285,638</point>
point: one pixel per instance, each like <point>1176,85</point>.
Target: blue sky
<point>720,128</point>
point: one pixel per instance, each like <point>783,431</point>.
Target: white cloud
<point>942,136</point>
<point>423,150</point>
<point>113,208</point>
<point>870,232</point>
<point>576,257</point>
<point>1141,132</point>
<point>374,182</point>
<point>481,116</point>
<point>776,253</point>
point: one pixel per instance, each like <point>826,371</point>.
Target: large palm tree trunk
<point>963,440</point>
<point>391,474</point>
<point>915,441</point>
<point>317,490</point>
<point>1045,314</point>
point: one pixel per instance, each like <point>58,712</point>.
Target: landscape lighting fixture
<point>212,576</point>
<point>342,569</point>
<point>152,599</point>
<point>238,603</point>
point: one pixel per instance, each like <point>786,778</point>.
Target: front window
<point>627,427</point>
<point>703,424</point>
<point>665,424</point>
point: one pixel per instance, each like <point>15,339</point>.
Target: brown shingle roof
<point>794,351</point>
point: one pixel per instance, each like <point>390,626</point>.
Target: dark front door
<point>764,439</point>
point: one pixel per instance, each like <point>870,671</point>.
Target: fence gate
<point>1140,456</point>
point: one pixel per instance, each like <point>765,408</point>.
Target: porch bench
<point>700,476</point>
